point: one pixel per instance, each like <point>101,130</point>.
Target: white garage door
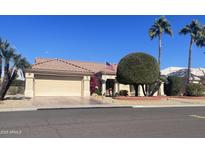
<point>57,86</point>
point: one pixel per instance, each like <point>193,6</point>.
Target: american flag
<point>109,66</point>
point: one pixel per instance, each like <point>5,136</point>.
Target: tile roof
<point>72,66</point>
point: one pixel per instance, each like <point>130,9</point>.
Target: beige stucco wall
<point>29,86</point>
<point>124,87</point>
<point>85,86</point>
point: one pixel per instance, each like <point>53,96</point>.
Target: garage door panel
<point>57,86</point>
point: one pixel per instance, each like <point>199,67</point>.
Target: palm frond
<point>153,32</point>
<point>200,40</point>
<point>185,30</point>
<point>9,54</point>
<point>168,31</point>
<point>161,25</point>
<point>192,29</point>
<point>21,63</point>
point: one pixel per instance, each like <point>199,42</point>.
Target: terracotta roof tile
<point>72,65</point>
<point>58,65</point>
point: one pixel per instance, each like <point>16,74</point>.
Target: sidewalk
<point>93,102</point>
<point>166,101</point>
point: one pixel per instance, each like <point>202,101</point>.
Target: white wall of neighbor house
<point>50,85</point>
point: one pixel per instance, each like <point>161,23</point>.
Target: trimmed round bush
<point>194,89</point>
<point>174,86</point>
<point>138,68</point>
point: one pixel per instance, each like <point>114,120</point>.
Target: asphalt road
<point>107,122</point>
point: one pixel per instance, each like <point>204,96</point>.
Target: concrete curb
<point>167,106</point>
<point>82,107</point>
<point>98,106</point>
<point>18,109</point>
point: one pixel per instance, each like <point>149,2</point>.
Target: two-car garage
<point>57,86</point>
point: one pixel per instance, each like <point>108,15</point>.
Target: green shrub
<point>98,91</point>
<point>13,90</point>
<point>123,93</point>
<point>194,89</point>
<point>20,90</point>
<point>174,86</point>
<point>138,69</point>
<point>18,83</point>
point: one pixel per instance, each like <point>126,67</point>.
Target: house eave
<point>107,73</point>
<point>57,72</point>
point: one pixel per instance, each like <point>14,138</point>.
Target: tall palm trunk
<point>5,80</point>
<point>160,49</point>
<point>4,86</point>
<point>189,61</point>
<point>159,60</point>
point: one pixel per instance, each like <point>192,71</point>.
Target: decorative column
<point>86,86</point>
<point>29,86</point>
<point>103,87</point>
<point>116,87</point>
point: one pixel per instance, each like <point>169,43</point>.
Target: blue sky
<point>97,38</point>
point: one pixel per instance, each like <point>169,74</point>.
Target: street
<point>105,123</point>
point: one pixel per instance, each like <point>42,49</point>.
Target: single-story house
<point>58,77</point>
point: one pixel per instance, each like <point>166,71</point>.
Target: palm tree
<point>201,37</point>
<point>8,55</point>
<point>161,25</point>
<point>20,64</point>
<point>11,72</point>
<point>193,29</point>
<point>3,47</point>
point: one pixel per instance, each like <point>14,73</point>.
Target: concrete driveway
<point>64,101</point>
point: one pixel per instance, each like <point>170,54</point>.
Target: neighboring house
<point>58,77</point>
<point>196,73</point>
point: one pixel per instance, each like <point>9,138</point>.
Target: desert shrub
<point>13,90</point>
<point>20,90</point>
<point>123,93</point>
<point>174,86</point>
<point>194,89</point>
<point>18,83</point>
